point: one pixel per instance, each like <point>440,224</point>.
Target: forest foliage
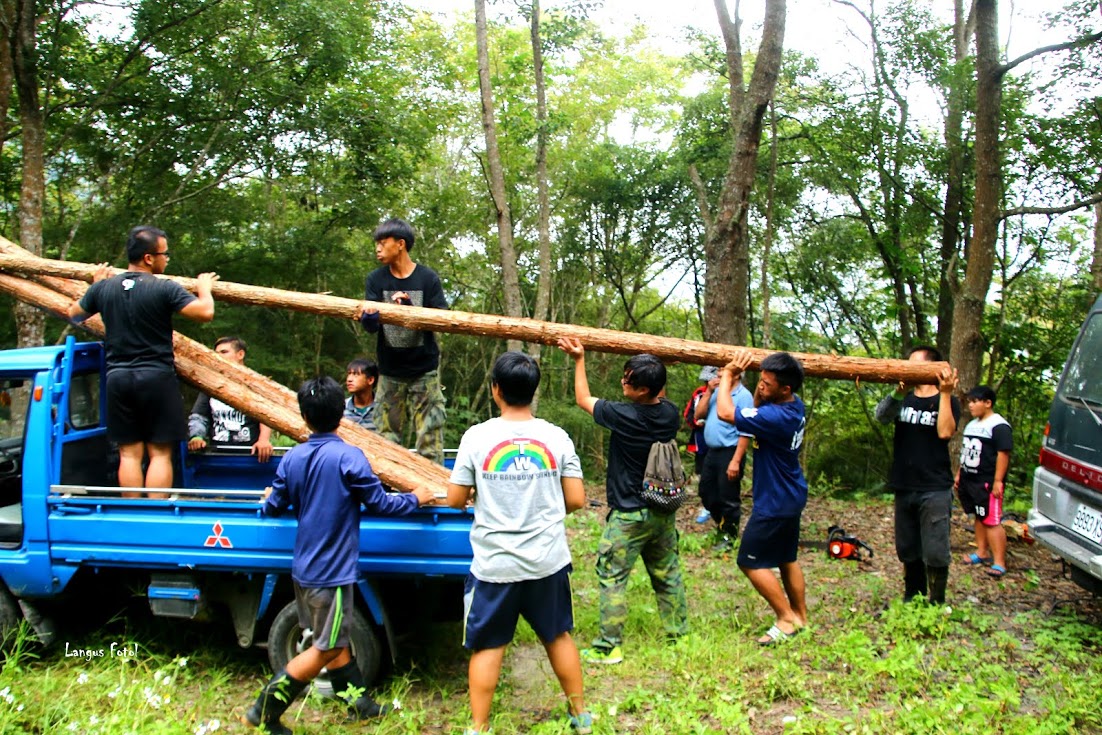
<point>269,138</point>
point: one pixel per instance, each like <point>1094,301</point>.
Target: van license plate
<point>1088,523</point>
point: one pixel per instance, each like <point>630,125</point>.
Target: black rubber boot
<point>363,707</point>
<point>273,701</point>
<point>939,578</point>
<point>914,580</point>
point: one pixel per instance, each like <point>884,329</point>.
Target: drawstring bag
<point>664,480</point>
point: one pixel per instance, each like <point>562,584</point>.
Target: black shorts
<point>144,406</point>
<point>327,611</point>
<point>491,609</point>
<point>769,542</point>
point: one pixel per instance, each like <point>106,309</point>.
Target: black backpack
<point>664,480</point>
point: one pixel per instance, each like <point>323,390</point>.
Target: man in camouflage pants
<point>418,402</point>
<point>408,391</point>
<point>632,530</point>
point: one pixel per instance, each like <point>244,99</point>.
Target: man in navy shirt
<point>772,534</point>
<point>325,480</point>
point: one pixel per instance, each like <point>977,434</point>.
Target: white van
<point>1067,488</point>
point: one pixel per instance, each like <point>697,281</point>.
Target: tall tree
<point>954,202</point>
<point>970,300</point>
<point>543,286</point>
<point>30,322</point>
<point>496,175</point>
<point>727,245</point>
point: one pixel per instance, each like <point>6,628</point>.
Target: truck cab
<point>205,553</point>
<point>1067,486</point>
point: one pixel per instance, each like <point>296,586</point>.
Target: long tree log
<point>528,330</point>
<point>248,391</point>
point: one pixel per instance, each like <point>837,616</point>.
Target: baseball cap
<point>708,372</point>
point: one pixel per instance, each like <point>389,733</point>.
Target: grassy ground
<point>995,660</point>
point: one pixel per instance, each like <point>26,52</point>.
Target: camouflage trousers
<point>627,536</point>
<point>417,403</point>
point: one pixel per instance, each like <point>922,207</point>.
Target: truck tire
<point>286,639</point>
<point>10,616</point>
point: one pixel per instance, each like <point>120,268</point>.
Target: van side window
<point>1083,377</point>
<point>84,401</point>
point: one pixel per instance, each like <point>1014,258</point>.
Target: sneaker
<point>723,544</point>
<point>601,656</point>
<point>582,723</point>
<point>703,516</point>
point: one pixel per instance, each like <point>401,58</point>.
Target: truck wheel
<point>287,639</point>
<point>10,615</point>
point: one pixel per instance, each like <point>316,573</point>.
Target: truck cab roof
<point>86,355</point>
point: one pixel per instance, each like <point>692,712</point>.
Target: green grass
<point>869,664</point>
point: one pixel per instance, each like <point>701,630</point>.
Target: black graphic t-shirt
<point>921,457</point>
<point>221,423</point>
<point>980,447</point>
<point>402,352</point>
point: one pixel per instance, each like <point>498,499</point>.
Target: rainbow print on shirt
<point>519,455</point>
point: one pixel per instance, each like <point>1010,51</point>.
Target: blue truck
<point>205,553</point>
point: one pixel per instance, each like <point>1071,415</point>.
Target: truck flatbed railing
<point>171,493</point>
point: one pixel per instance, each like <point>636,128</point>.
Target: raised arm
<point>202,309</point>
<point>576,351</point>
<point>947,383</point>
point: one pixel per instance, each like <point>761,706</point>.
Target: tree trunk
<point>510,280</point>
<point>954,182</point>
<point>543,286</point>
<point>250,392</point>
<point>501,327</point>
<point>770,229</point>
<point>1096,263</point>
<point>967,343</point>
<point>7,70</point>
<point>727,246</point>
<point>30,323</point>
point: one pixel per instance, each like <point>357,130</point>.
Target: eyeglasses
<point>166,253</point>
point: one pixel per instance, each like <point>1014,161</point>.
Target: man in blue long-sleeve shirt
<point>325,480</point>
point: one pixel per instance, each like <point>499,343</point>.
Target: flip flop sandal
<point>975,559</point>
<point>995,572</point>
<point>773,636</point>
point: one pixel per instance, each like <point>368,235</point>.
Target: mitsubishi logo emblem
<point>218,539</point>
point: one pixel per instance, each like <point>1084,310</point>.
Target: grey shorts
<point>327,611</point>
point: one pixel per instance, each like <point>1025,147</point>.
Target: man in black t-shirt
<point>409,392</point>
<point>632,530</point>
<point>921,476</point>
<point>145,413</point>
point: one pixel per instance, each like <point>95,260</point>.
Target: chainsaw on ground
<point>842,546</point>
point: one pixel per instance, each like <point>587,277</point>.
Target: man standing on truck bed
<point>145,412</point>
<point>925,418</point>
<point>409,389</point>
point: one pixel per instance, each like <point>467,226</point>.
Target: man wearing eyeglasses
<point>145,413</point>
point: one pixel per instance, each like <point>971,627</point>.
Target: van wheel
<point>10,617</point>
<point>287,639</point>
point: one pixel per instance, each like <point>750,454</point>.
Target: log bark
<point>529,330</point>
<point>248,391</point>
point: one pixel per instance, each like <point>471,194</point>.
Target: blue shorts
<point>491,609</point>
<point>769,542</point>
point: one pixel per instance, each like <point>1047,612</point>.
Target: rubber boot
<point>939,578</point>
<point>914,580</point>
<point>363,707</point>
<point>273,701</point>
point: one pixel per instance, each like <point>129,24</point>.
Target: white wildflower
<point>396,704</point>
<point>83,678</point>
<point>93,720</point>
<point>72,727</point>
<point>182,663</point>
<point>157,676</point>
<point>114,692</point>
<point>19,708</point>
